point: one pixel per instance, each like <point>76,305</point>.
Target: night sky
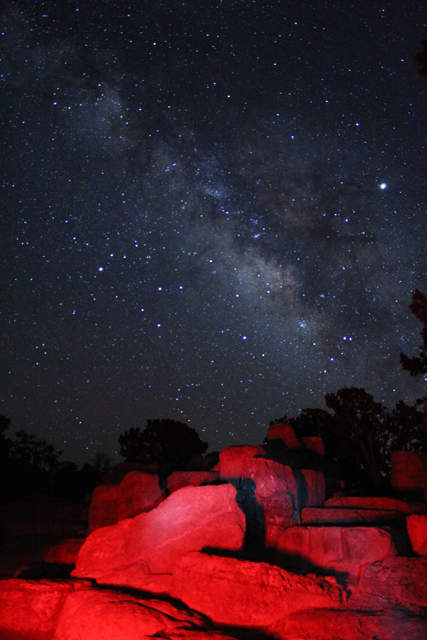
<point>213,212</point>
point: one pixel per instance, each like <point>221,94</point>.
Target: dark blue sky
<point>210,212</point>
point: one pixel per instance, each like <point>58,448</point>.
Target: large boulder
<point>330,624</point>
<point>286,434</point>
<point>311,487</point>
<point>93,614</point>
<point>417,531</point>
<point>65,552</point>
<point>329,516</point>
<point>103,507</point>
<point>401,582</point>
<point>409,471</point>
<point>139,492</point>
<point>337,549</point>
<point>274,488</point>
<point>249,594</point>
<point>136,549</point>
<point>30,607</point>
<point>179,479</point>
<point>372,502</point>
<point>233,459</point>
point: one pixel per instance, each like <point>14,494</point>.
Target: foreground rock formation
<point>252,546</point>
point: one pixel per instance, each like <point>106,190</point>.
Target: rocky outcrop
<point>286,434</point>
<point>103,507</point>
<point>249,594</point>
<point>341,550</point>
<point>233,459</point>
<point>65,552</point>
<point>417,531</point>
<point>179,479</point>
<point>139,492</point>
<point>137,552</point>
<point>29,606</point>
<point>91,614</point>
<point>409,472</point>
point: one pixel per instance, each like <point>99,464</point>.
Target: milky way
<point>215,217</point>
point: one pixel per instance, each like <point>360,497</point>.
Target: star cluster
<point>212,215</point>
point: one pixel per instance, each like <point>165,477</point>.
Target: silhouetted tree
<point>164,442</point>
<point>418,365</point>
<point>361,433</point>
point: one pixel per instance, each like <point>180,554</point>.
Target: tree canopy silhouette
<point>361,433</point>
<point>162,442</point>
<point>418,365</point>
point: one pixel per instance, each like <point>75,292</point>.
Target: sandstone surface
<point>249,594</point>
<point>367,502</point>
<point>103,507</point>
<point>65,552</point>
<point>92,614</point>
<point>285,433</point>
<point>233,459</point>
<point>138,492</point>
<point>337,549</point>
<point>337,516</point>
<point>179,479</point>
<point>417,531</point>
<point>152,543</point>
<point>276,492</point>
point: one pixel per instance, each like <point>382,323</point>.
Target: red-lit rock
<point>276,491</point>
<point>65,552</point>
<point>233,459</point>
<point>31,606</point>
<point>337,516</point>
<point>399,581</point>
<point>249,594</point>
<point>286,433</point>
<point>139,492</point>
<point>417,531</point>
<point>350,625</point>
<point>103,507</point>
<point>93,614</point>
<point>153,542</point>
<point>179,479</point>
<point>409,471</point>
<point>338,549</point>
<point>367,502</point>
<point>193,634</point>
<point>314,443</point>
<point>313,491</point>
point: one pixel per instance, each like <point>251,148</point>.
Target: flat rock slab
<point>401,581</point>
<point>28,606</point>
<point>93,614</point>
<point>387,504</point>
<point>153,542</point>
<point>337,549</point>
<point>338,516</point>
<point>249,594</point>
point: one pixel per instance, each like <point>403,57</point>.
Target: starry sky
<point>213,212</point>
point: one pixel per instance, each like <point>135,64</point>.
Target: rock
<point>28,606</point>
<point>337,549</point>
<point>93,614</point>
<point>117,473</point>
<point>401,582</point>
<point>139,492</point>
<point>366,502</point>
<point>179,479</point>
<point>248,594</point>
<point>337,516</point>
<point>103,507</point>
<point>233,459</point>
<point>131,551</point>
<point>193,634</point>
<point>350,625</point>
<point>417,531</point>
<point>314,443</point>
<point>275,490</point>
<point>286,433</point>
<point>65,552</point>
<point>409,471</point>
<point>311,487</point>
